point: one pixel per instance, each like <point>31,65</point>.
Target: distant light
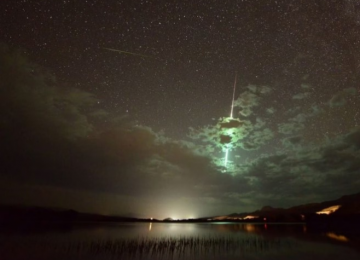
<point>329,210</point>
<point>337,237</point>
<point>250,217</point>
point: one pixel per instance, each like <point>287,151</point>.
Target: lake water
<point>180,241</point>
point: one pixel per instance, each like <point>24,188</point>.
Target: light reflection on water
<point>256,241</point>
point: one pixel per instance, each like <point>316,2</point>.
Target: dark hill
<point>349,208</point>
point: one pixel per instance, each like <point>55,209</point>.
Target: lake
<point>180,241</point>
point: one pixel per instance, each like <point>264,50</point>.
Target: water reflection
<point>304,229</point>
<point>190,238</point>
<point>258,228</point>
<point>250,228</point>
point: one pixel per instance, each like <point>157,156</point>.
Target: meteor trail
<point>231,116</point>
<point>226,156</point>
<point>129,53</point>
<point>233,97</point>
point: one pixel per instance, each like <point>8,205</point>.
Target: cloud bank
<point>60,148</point>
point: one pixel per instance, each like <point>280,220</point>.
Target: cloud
<point>245,111</point>
<point>247,99</point>
<point>260,123</point>
<point>293,110</point>
<point>316,110</point>
<point>57,141</point>
<point>306,86</point>
<point>313,171</point>
<point>340,98</point>
<point>300,118</point>
<point>259,89</point>
<point>226,132</point>
<point>353,139</point>
<point>292,142</point>
<point>301,95</point>
<point>270,110</point>
<point>290,128</point>
<point>257,139</point>
<point>251,98</point>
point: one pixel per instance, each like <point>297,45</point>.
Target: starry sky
<point>123,107</point>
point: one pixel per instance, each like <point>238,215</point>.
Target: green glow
<point>228,132</point>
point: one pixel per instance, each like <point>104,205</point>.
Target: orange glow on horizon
<point>329,210</point>
<point>337,237</point>
<point>250,217</point>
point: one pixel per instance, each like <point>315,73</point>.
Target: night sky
<point>123,107</point>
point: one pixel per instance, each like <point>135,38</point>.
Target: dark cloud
<point>292,142</point>
<point>353,139</point>
<point>227,132</point>
<point>231,123</point>
<point>257,139</point>
<point>67,147</point>
<point>249,146</point>
<point>290,128</point>
<point>248,100</point>
<point>315,171</point>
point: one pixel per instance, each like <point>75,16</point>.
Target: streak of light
<point>231,116</point>
<point>233,97</point>
<point>127,52</point>
<point>226,157</point>
<point>150,226</point>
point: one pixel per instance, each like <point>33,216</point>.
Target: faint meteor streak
<point>129,53</point>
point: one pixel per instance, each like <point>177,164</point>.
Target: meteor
<point>233,98</point>
<point>231,116</point>
<point>129,53</point>
<point>226,156</point>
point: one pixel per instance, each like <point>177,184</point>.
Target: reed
<point>148,247</point>
<point>164,247</point>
